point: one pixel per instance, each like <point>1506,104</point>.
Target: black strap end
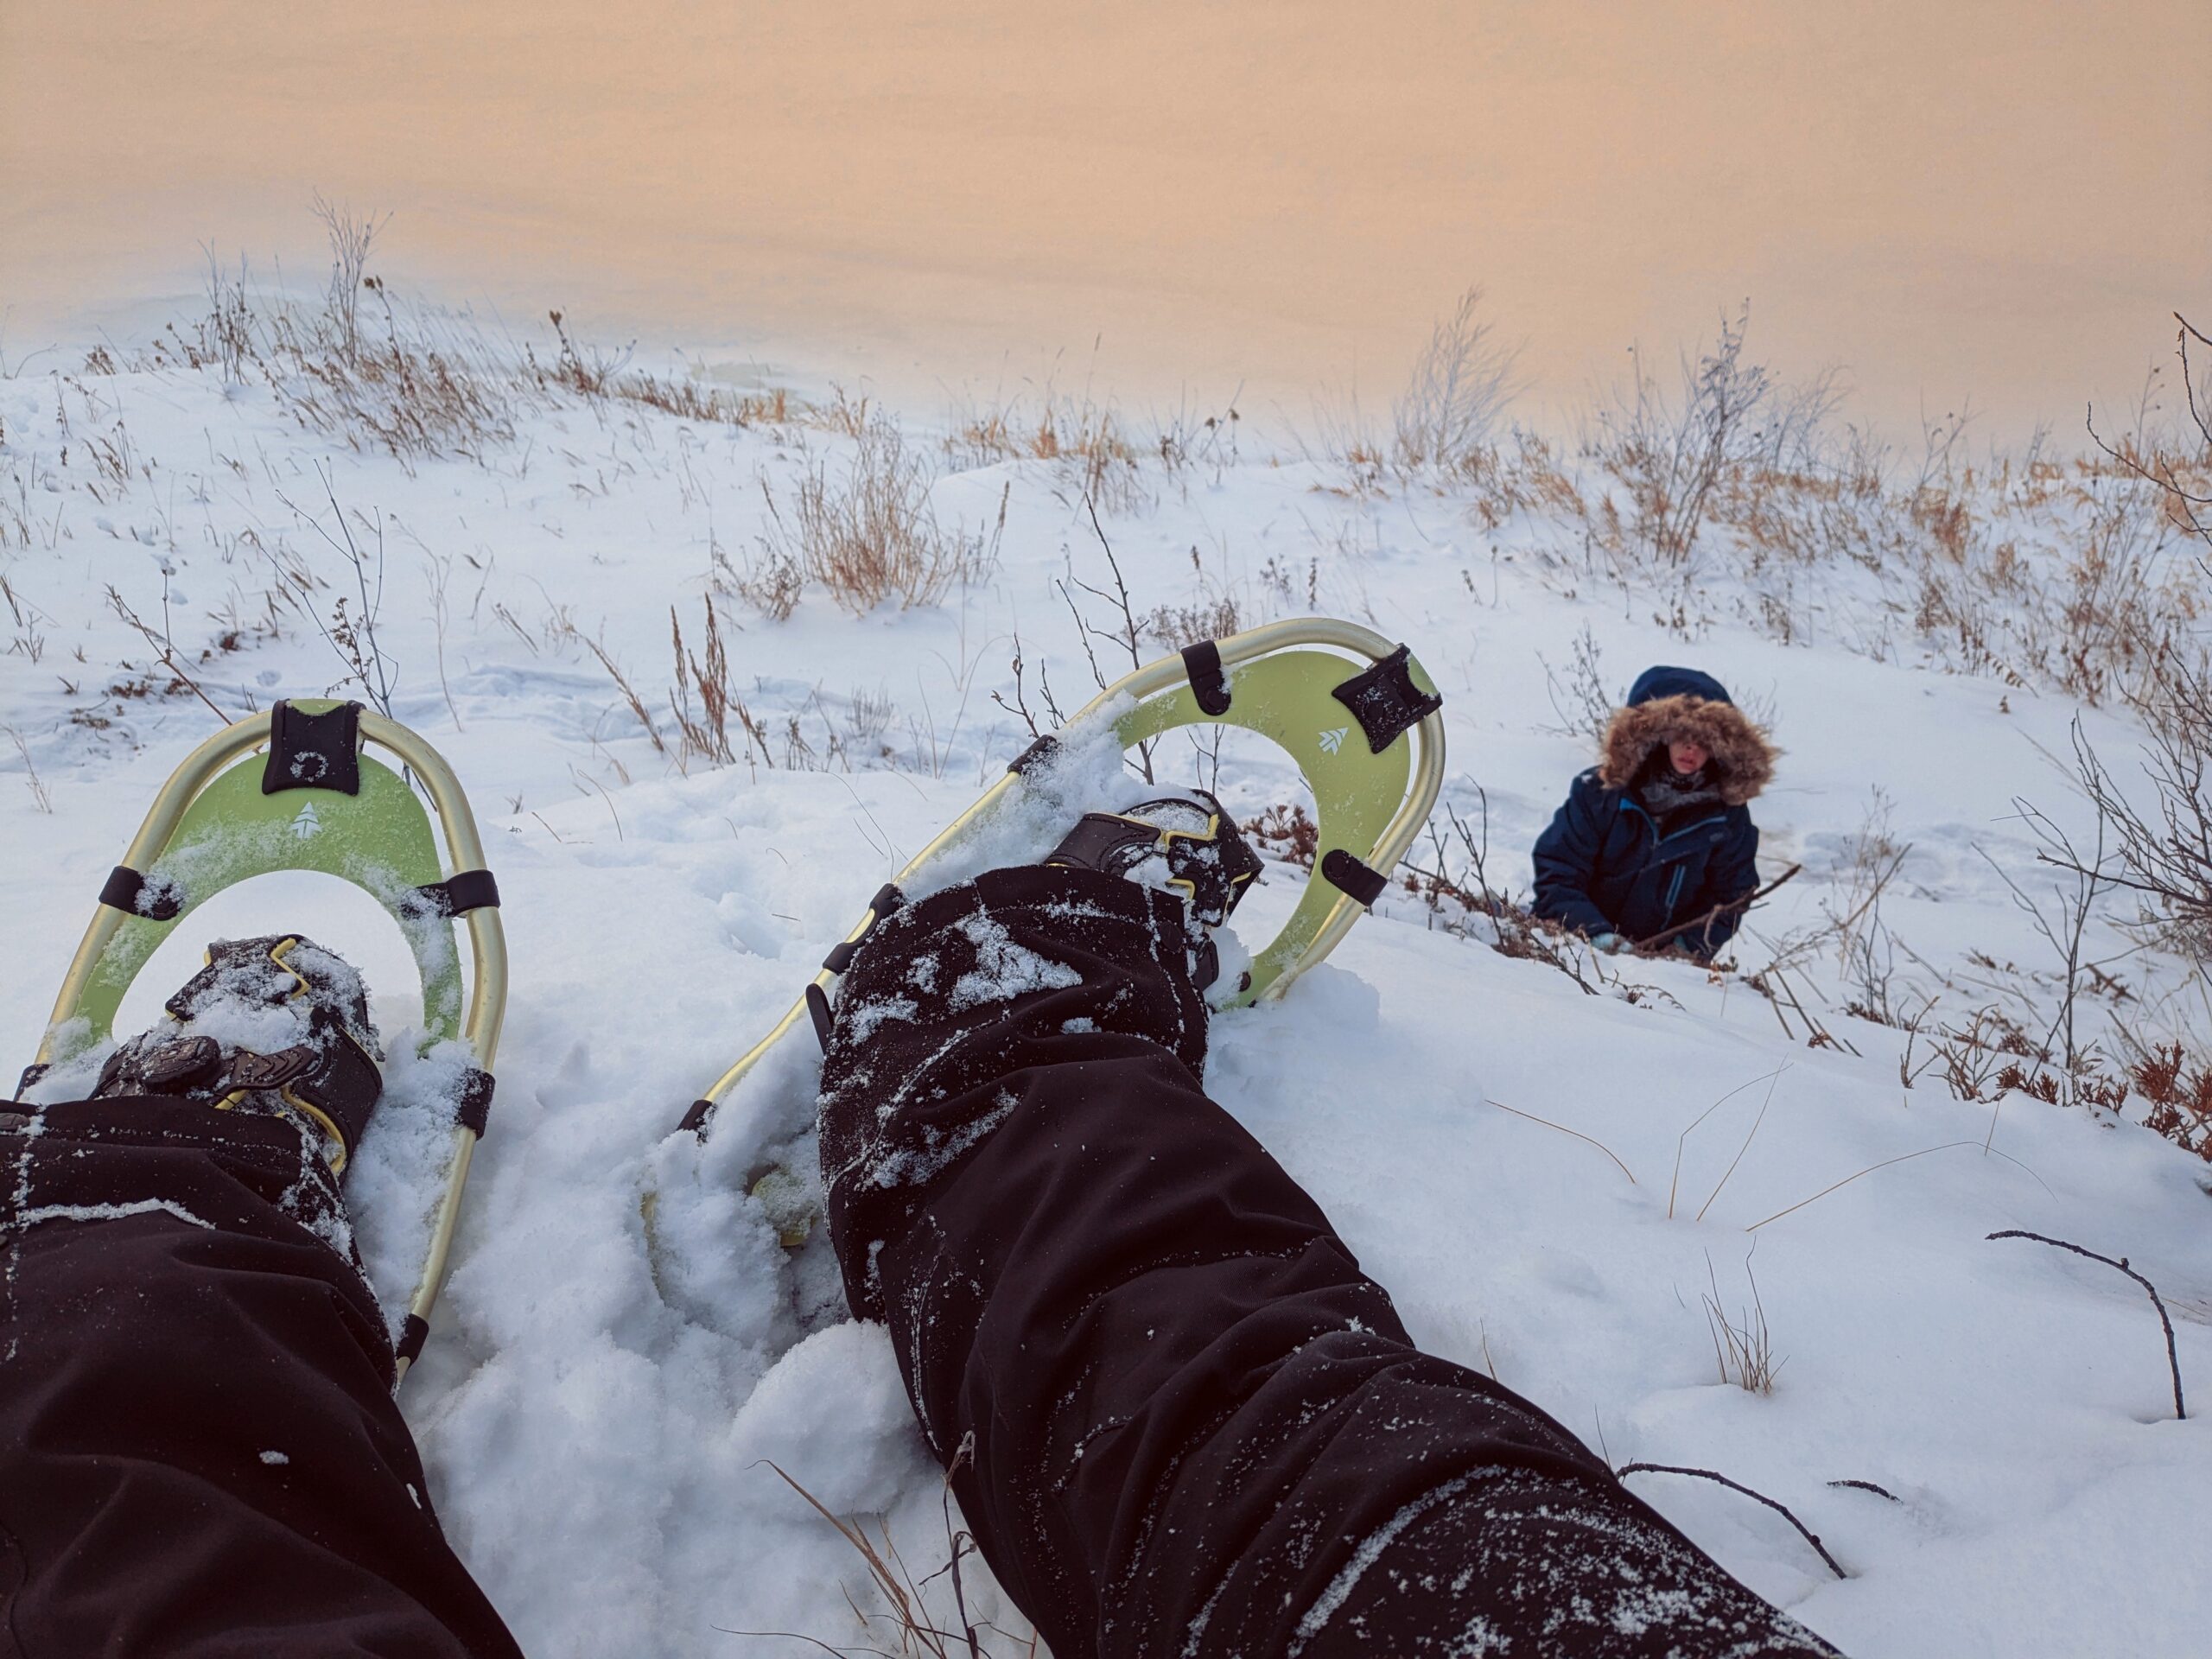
<point>817,1004</point>
<point>1040,750</point>
<point>697,1117</point>
<point>412,1335</point>
<point>1348,874</point>
<point>1385,700</point>
<point>314,751</point>
<point>32,1073</point>
<point>473,1111</point>
<point>1208,681</point>
<point>125,890</point>
<point>460,893</point>
<point>887,900</point>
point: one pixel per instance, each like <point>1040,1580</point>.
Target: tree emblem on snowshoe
<point>1331,741</point>
<point>307,826</point>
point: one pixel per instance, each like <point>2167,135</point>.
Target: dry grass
<point>907,1615</point>
<point>870,534</point>
<point>407,380</point>
<point>1447,417</point>
<point>1742,1347</point>
<point>1086,439</point>
<point>705,728</point>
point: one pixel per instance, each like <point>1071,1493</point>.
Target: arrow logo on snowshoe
<point>1331,741</point>
<point>307,826</point>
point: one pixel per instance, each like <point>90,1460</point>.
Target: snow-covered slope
<point>610,1381</point>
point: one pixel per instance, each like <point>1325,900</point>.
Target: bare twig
<point>1735,907</point>
<point>163,646</point>
<point>1868,1486</point>
<point>1126,638</point>
<point>2173,1360</point>
<point>45,802</point>
<point>1781,1510</point>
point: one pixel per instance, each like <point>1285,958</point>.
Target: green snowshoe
<point>1359,717</point>
<point>315,802</point>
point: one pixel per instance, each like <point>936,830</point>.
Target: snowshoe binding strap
<point>1198,849</point>
<point>330,1078</point>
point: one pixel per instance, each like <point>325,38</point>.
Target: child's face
<point>1686,757</point>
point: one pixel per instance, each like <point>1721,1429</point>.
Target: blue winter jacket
<point>1603,866</point>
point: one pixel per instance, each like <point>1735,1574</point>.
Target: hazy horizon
<point>1951,203</point>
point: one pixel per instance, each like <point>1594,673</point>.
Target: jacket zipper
<point>1658,840</point>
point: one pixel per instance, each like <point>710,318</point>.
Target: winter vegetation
<point>713,659</point>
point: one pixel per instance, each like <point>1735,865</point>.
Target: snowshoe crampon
<point>315,802</point>
<point>1359,717</point>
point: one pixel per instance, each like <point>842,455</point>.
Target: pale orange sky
<point>2003,201</point>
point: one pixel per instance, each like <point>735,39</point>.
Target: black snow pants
<point>1184,1423</point>
<point>199,1452</point>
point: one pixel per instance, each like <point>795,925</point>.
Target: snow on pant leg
<point>1194,1427</point>
<point>199,1452</point>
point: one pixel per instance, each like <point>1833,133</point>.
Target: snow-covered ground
<point>610,1379</point>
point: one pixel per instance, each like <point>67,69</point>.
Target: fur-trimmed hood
<point>1668,705</point>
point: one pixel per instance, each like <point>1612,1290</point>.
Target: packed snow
<point>1594,1192</point>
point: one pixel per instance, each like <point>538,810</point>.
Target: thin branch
<point>1781,1510</point>
<point>166,652</point>
<point>2173,1360</point>
<point>1646,946</point>
<point>1868,1486</point>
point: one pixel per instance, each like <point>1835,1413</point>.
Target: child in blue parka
<point>1658,833</point>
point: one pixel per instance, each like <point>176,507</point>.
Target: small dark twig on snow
<point>1868,1486</point>
<point>1782,1509</point>
<point>2173,1359</point>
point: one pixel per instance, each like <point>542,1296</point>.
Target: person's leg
<point>199,1450</point>
<point>1191,1426</point>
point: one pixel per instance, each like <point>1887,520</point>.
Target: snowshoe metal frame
<point>1360,718</point>
<point>316,802</point>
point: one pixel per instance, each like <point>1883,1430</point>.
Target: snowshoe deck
<point>315,802</point>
